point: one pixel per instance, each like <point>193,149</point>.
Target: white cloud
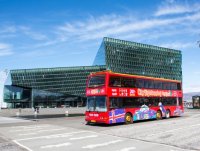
<point>179,45</point>
<point>5,49</point>
<point>32,34</point>
<point>7,29</point>
<point>115,25</point>
<point>174,8</point>
<point>38,53</point>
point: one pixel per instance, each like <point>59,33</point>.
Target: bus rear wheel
<point>128,118</point>
<point>167,114</point>
<point>158,115</point>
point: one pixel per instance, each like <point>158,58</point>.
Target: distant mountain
<point>188,96</point>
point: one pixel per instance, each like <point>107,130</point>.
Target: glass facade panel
<point>69,80</point>
<point>100,57</point>
<point>17,97</point>
<point>140,59</point>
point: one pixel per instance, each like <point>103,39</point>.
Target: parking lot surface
<point>71,133</point>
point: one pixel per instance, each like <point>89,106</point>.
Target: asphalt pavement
<point>71,134</point>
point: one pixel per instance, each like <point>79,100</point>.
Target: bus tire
<point>168,114</point>
<point>128,118</point>
<point>158,115</point>
<point>87,123</point>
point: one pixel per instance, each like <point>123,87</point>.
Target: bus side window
<point>115,82</point>
<point>157,85</point>
<point>173,86</point>
<point>165,86</point>
<point>151,84</point>
<point>178,86</point>
<point>146,84</point>
<point>141,101</point>
<point>128,82</point>
<point>174,101</point>
<point>152,102</point>
<point>115,103</point>
<point>139,83</point>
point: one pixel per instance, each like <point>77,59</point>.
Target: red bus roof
<point>133,76</point>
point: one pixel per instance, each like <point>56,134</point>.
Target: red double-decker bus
<point>115,98</point>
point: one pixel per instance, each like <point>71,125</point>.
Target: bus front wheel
<point>128,118</point>
<point>158,115</point>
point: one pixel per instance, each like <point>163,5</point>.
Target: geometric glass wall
<point>140,59</point>
<point>65,80</point>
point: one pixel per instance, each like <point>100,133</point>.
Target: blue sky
<point>51,33</point>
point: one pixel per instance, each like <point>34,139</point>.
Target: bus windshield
<point>96,104</point>
<point>96,81</point>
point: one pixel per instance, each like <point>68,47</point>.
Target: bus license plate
<point>93,121</point>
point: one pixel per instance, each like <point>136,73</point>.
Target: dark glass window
<point>178,86</point>
<point>146,84</point>
<point>169,101</point>
<point>173,86</point>
<point>128,82</point>
<point>96,81</point>
<point>139,83</point>
<point>115,82</point>
<point>157,84</point>
<point>115,102</point>
<point>151,84</point>
<point>153,101</point>
<point>166,86</point>
<point>138,102</point>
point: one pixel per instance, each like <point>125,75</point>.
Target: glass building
<point>58,87</point>
<point>48,87</point>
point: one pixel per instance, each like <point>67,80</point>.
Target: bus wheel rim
<point>167,115</point>
<point>158,115</point>
<point>128,118</point>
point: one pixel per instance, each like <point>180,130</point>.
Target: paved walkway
<point>7,120</point>
<point>43,112</point>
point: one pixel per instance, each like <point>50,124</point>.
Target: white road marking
<point>174,130</point>
<point>51,136</point>
<point>58,145</point>
<point>38,131</point>
<point>58,129</point>
<point>31,126</point>
<point>103,144</point>
<point>84,137</point>
<point>27,134</point>
<point>128,149</point>
<point>27,129</point>
<point>22,145</point>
